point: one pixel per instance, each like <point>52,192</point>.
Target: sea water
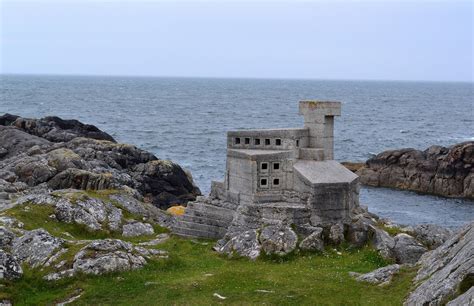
<point>186,120</point>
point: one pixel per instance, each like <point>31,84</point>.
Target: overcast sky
<point>386,40</point>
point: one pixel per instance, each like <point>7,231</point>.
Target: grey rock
<point>431,235</point>
<point>160,238</point>
<point>6,237</point>
<point>379,276</point>
<point>382,242</point>
<point>437,170</point>
<point>336,234</point>
<point>279,240</point>
<point>407,250</point>
<point>105,256</point>
<point>244,244</point>
<point>313,242</point>
<point>444,269</point>
<point>36,247</point>
<point>137,229</point>
<point>9,267</point>
<point>465,299</point>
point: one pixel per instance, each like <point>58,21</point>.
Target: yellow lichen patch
<point>176,210</point>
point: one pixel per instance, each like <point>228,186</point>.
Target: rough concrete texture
<point>277,177</point>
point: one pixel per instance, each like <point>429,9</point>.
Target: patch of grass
<point>391,230</point>
<point>193,273</point>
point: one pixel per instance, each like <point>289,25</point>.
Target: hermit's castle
<point>277,176</point>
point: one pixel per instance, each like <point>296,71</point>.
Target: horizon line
<point>232,77</point>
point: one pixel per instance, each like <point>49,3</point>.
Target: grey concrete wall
<point>267,139</point>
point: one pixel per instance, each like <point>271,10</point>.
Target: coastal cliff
<point>444,171</point>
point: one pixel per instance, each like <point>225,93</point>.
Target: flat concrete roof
<point>324,172</point>
<point>255,153</point>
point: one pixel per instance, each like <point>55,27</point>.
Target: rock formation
<point>437,170</point>
<point>52,153</point>
<point>446,272</point>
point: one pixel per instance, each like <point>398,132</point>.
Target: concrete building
<point>278,176</point>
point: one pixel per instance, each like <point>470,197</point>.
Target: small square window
<point>237,140</point>
<point>276,182</point>
<point>267,142</point>
<point>257,141</point>
<point>247,140</point>
<point>276,166</point>
<point>278,142</point>
<point>297,142</point>
<point>264,166</point>
<point>263,182</point>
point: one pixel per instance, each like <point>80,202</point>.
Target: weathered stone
<point>36,247</point>
<point>9,267</point>
<point>336,234</point>
<point>465,299</point>
<point>137,229</point>
<point>407,249</point>
<point>437,170</point>
<point>313,242</point>
<point>160,238</point>
<point>244,244</point>
<point>431,235</point>
<point>443,270</point>
<point>279,240</point>
<point>6,237</point>
<point>382,242</point>
<point>379,276</point>
<point>105,256</point>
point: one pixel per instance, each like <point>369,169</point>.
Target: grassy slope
<point>185,278</point>
<point>193,273</point>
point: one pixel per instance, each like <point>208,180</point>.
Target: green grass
<point>193,273</point>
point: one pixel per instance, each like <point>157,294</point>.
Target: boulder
<point>136,229</point>
<point>444,270</point>
<point>279,240</point>
<point>108,255</point>
<point>467,298</point>
<point>382,242</point>
<point>336,234</point>
<point>36,247</point>
<point>313,242</point>
<point>9,267</point>
<point>431,235</point>
<point>244,244</point>
<point>6,237</point>
<point>437,170</point>
<point>407,250</point>
<point>379,276</point>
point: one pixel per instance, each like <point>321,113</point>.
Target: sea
<point>186,120</point>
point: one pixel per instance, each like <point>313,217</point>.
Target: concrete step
<point>206,219</point>
<point>209,214</point>
<point>200,227</point>
<point>192,232</point>
<point>204,206</point>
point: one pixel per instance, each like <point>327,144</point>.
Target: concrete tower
<point>319,119</point>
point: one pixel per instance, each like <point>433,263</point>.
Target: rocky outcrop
<point>278,240</point>
<point>379,276</point>
<point>51,153</point>
<point>437,170</point>
<point>446,271</point>
<point>136,229</point>
<point>55,129</point>
<point>9,266</point>
<point>36,247</point>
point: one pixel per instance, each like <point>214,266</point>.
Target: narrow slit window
<point>276,182</point>
<point>263,182</point>
<point>264,166</point>
<point>257,141</point>
<point>297,142</point>
<point>237,140</point>
<point>278,142</point>
<point>247,140</point>
<point>267,142</point>
<point>276,166</point>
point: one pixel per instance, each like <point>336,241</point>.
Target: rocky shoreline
<point>443,171</point>
<point>74,201</point>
